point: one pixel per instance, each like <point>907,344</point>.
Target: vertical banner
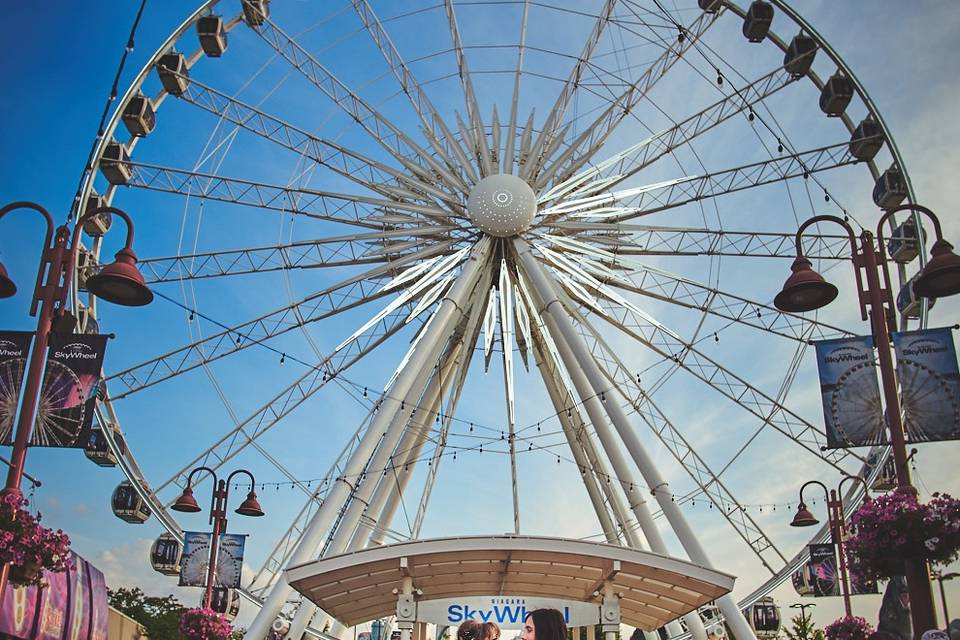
<point>69,392</point>
<point>852,412</point>
<point>195,559</point>
<point>929,384</point>
<point>72,605</point>
<point>862,587</point>
<point>823,570</point>
<point>14,346</point>
<point>230,560</point>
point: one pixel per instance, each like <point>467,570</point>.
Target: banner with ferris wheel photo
<point>929,384</point>
<point>68,395</point>
<point>14,347</point>
<point>852,411</point>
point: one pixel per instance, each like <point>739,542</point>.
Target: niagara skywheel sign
<point>495,266</point>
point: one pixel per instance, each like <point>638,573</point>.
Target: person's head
<point>544,624</point>
<point>489,631</point>
<point>470,630</point>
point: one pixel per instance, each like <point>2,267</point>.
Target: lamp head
<point>250,506</point>
<point>120,282</point>
<point>186,502</point>
<point>805,289</point>
<point>803,518</point>
<point>7,287</point>
<point>941,277</point>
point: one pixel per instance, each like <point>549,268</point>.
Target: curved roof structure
<point>652,589</point>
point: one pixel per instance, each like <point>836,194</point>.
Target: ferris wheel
<point>516,230</point>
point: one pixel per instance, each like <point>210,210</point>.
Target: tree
<point>803,628</point>
<point>159,615</point>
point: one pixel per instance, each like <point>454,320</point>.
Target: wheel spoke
<point>291,397</point>
<point>508,156</point>
<point>478,140</point>
<point>632,321</point>
<point>683,132</point>
<point>350,293</point>
<point>309,254</point>
<point>360,169</point>
<point>603,126</point>
<point>648,240</point>
<point>685,292</point>
<point>642,201</point>
<point>696,467</point>
<point>557,113</point>
<point>434,127</point>
<point>378,127</point>
<point>353,210</point>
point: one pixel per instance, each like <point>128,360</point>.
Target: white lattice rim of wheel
<point>322,167</point>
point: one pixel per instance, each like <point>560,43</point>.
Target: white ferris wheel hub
<point>502,205</point>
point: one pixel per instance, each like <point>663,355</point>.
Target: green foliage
<point>803,628</point>
<point>159,615</point>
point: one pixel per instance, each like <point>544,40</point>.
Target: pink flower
<point>204,624</point>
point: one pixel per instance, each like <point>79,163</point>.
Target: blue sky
<point>62,66</point>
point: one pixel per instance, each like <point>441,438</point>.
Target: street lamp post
<point>118,282</point>
<point>803,606</point>
<point>941,578</point>
<point>806,290</point>
<point>218,515</point>
<point>837,526</point>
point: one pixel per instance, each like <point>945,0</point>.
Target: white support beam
<point>581,356</point>
<point>313,536</point>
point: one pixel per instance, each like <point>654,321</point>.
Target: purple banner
<point>98,601</point>
<point>71,606</point>
<point>14,346</point>
<point>929,384</point>
<point>18,613</point>
<point>69,392</point>
<point>53,604</point>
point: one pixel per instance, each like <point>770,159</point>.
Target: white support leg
<point>409,448</point>
<point>584,361</point>
<point>313,535</point>
<point>557,396</point>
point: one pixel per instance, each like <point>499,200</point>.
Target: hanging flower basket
<point>29,547</point>
<point>848,628</point>
<point>896,527</point>
<point>204,624</point>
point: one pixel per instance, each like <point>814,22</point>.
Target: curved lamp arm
<point>910,207</point>
<point>244,471</point>
<point>826,492</point>
<point>75,245</point>
<point>826,218</point>
<point>207,469</point>
<point>866,489</point>
<point>23,204</point>
<point>93,213</point>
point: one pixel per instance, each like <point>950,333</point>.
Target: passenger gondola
<point>165,555</point>
<point>128,505</point>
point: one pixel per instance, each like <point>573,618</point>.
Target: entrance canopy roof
<point>653,589</point>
